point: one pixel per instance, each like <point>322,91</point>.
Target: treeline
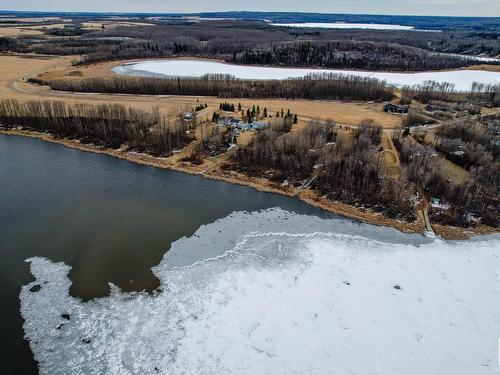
<point>6,44</point>
<point>475,198</point>
<point>109,125</point>
<point>200,107</point>
<point>320,86</point>
<point>349,54</point>
<point>228,107</point>
<point>474,144</point>
<point>292,154</point>
<point>338,54</point>
<point>479,94</point>
<point>354,172</point>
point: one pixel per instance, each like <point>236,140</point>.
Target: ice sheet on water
<point>461,79</point>
<point>275,292</point>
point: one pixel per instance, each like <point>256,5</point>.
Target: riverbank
<point>211,169</point>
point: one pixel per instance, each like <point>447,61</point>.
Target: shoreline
<point>308,196</point>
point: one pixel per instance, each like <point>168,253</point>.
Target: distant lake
<point>341,25</point>
<point>462,79</point>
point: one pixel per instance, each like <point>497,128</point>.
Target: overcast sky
<point>417,7</point>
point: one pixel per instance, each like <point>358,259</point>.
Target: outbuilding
<point>394,108</point>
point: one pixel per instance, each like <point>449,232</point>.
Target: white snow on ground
<point>341,25</point>
<point>462,79</point>
<point>278,293</point>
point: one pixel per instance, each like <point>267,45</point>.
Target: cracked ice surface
<point>273,292</point>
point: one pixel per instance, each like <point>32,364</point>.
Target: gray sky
<point>417,7</point>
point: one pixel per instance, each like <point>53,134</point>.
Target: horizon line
<point>236,11</point>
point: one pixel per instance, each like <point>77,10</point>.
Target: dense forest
<point>349,54</point>
<point>348,170</point>
<point>472,143</point>
<point>257,42</point>
<point>260,44</point>
<point>354,172</point>
<point>106,125</point>
<point>428,92</point>
<point>323,86</point>
<point>349,167</point>
<point>277,148</point>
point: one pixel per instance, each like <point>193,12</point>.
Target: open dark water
<point>111,220</point>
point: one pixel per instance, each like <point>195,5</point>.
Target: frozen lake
<point>272,292</point>
<point>241,286</point>
<point>462,79</point>
<point>341,25</point>
<point>110,220</point>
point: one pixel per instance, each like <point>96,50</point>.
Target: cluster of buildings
<point>239,125</point>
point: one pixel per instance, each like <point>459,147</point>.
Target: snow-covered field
<point>342,25</point>
<point>462,79</point>
<point>273,292</point>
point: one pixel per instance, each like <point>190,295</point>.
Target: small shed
<point>395,108</point>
